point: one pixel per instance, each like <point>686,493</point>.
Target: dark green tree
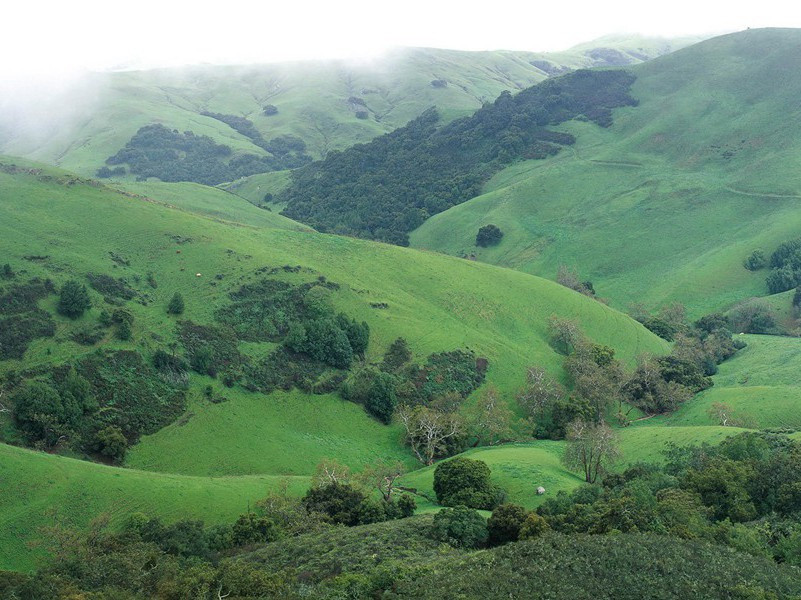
<point>467,482</point>
<point>381,397</point>
<point>254,529</point>
<point>341,502</point>
<point>488,235</point>
<point>111,442</point>
<point>7,272</point>
<point>74,299</point>
<point>461,527</point>
<point>504,524</point>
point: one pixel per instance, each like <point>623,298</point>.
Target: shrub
<point>756,261</point>
<point>461,527</point>
<point>176,305</point>
<point>253,529</point>
<point>505,523</point>
<point>7,272</point>
<point>488,235</point>
<point>74,299</point>
<point>341,502</point>
<point>467,482</point>
<point>396,356</point>
<point>269,110</point>
<point>42,414</point>
<point>533,527</point>
<point>381,397</point>
<point>111,442</point>
<point>362,114</point>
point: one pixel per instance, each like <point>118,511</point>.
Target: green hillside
<point>40,490</point>
<point>316,101</point>
<point>759,387</point>
<point>194,240</point>
<point>666,203</point>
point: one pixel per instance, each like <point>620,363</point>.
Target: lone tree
<point>466,482</point>
<point>74,300</point>
<point>489,235</point>
<point>428,430</point>
<point>591,447</point>
<point>176,305</point>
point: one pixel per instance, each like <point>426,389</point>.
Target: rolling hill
<point>206,243</point>
<point>328,104</point>
<point>666,203</point>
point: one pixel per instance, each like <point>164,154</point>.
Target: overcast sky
<point>65,35</point>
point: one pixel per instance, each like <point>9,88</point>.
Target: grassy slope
<point>39,490</point>
<point>760,385</point>
<point>651,209</point>
<point>312,99</point>
<point>436,302</point>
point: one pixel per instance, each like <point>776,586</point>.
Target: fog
<point>50,49</point>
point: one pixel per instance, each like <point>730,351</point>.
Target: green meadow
<point>666,203</point>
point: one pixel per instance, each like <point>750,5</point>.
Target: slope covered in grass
<point>667,202</point>
<point>329,104</point>
<point>40,490</point>
<point>759,387</point>
<point>55,225</point>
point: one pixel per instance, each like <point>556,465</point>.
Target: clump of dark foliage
<point>21,320</point>
<point>169,155</point>
<point>386,188</point>
<point>489,235</point>
<point>785,265</point>
<point>103,402</point>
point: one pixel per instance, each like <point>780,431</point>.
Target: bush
<point>381,397</point>
<point>489,235</point>
<point>467,482</point>
<point>269,110</point>
<point>461,527</point>
<point>42,414</point>
<point>505,523</point>
<point>7,272</point>
<point>340,502</point>
<point>74,299</point>
<point>111,442</point>
<point>533,527</point>
<point>756,261</point>
<point>176,305</point>
<point>254,529</point>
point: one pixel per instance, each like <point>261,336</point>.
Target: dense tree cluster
<point>99,405</point>
<point>489,235</point>
<point>785,264</point>
<point>386,188</point>
<point>169,155</point>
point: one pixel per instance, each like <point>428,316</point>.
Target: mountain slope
<point>80,127</point>
<point>667,202</point>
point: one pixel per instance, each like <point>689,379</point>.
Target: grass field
<point>40,489</point>
<point>436,302</point>
<point>100,113</point>
<point>666,203</point>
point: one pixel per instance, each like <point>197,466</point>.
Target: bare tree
<point>3,408</point>
<point>564,334</point>
<point>428,430</point>
<point>382,476</point>
<point>541,390</point>
<point>492,419</point>
<point>591,447</point>
<point>330,471</point>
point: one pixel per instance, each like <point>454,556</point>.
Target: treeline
<point>386,188</point>
<point>169,155</point>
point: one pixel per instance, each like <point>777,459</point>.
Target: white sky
<point>56,37</point>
